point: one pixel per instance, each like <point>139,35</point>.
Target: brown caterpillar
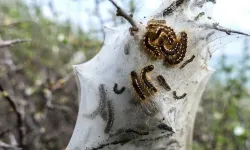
<point>163,82</point>
<point>160,41</point>
<point>136,132</point>
<point>148,84</point>
<point>153,22</point>
<point>186,62</point>
<point>110,117</point>
<point>118,91</point>
<point>179,97</point>
<point>180,51</point>
<point>163,126</point>
<point>102,102</point>
<point>150,47</point>
<point>165,34</point>
<point>137,86</point>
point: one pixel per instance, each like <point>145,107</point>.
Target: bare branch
<point>2,133</point>
<point>11,42</point>
<point>60,83</point>
<point>227,31</point>
<point>20,122</point>
<point>59,107</point>
<point>122,13</point>
<point>48,94</point>
<point>8,146</point>
<point>15,23</point>
<point>12,24</point>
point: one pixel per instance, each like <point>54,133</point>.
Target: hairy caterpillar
<point>136,84</point>
<point>160,42</point>
<point>148,84</point>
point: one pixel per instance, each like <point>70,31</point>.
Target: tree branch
<point>8,146</point>
<point>20,122</point>
<point>122,13</point>
<point>14,23</point>
<point>227,31</point>
<point>10,24</point>
<point>2,133</point>
<point>11,42</point>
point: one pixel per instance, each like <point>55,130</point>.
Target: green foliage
<point>225,107</point>
<point>36,69</point>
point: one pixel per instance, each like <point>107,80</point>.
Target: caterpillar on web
<point>160,42</point>
<point>145,79</point>
<point>137,86</point>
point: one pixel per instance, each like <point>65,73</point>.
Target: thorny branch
<point>122,13</point>
<point>11,42</point>
<point>20,123</point>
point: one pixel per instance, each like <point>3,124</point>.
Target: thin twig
<point>59,107</point>
<point>215,26</point>
<point>122,13</point>
<point>2,133</point>
<point>11,42</point>
<point>15,23</point>
<point>20,122</point>
<point>60,83</point>
<point>12,24</point>
<point>8,146</point>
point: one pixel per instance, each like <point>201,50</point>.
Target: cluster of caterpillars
<point>144,88</point>
<point>161,42</point>
<point>141,84</point>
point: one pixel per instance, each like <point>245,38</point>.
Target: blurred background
<point>40,110</point>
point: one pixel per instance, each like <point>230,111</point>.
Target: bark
<point>108,119</point>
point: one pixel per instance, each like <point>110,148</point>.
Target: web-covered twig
<point>227,31</point>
